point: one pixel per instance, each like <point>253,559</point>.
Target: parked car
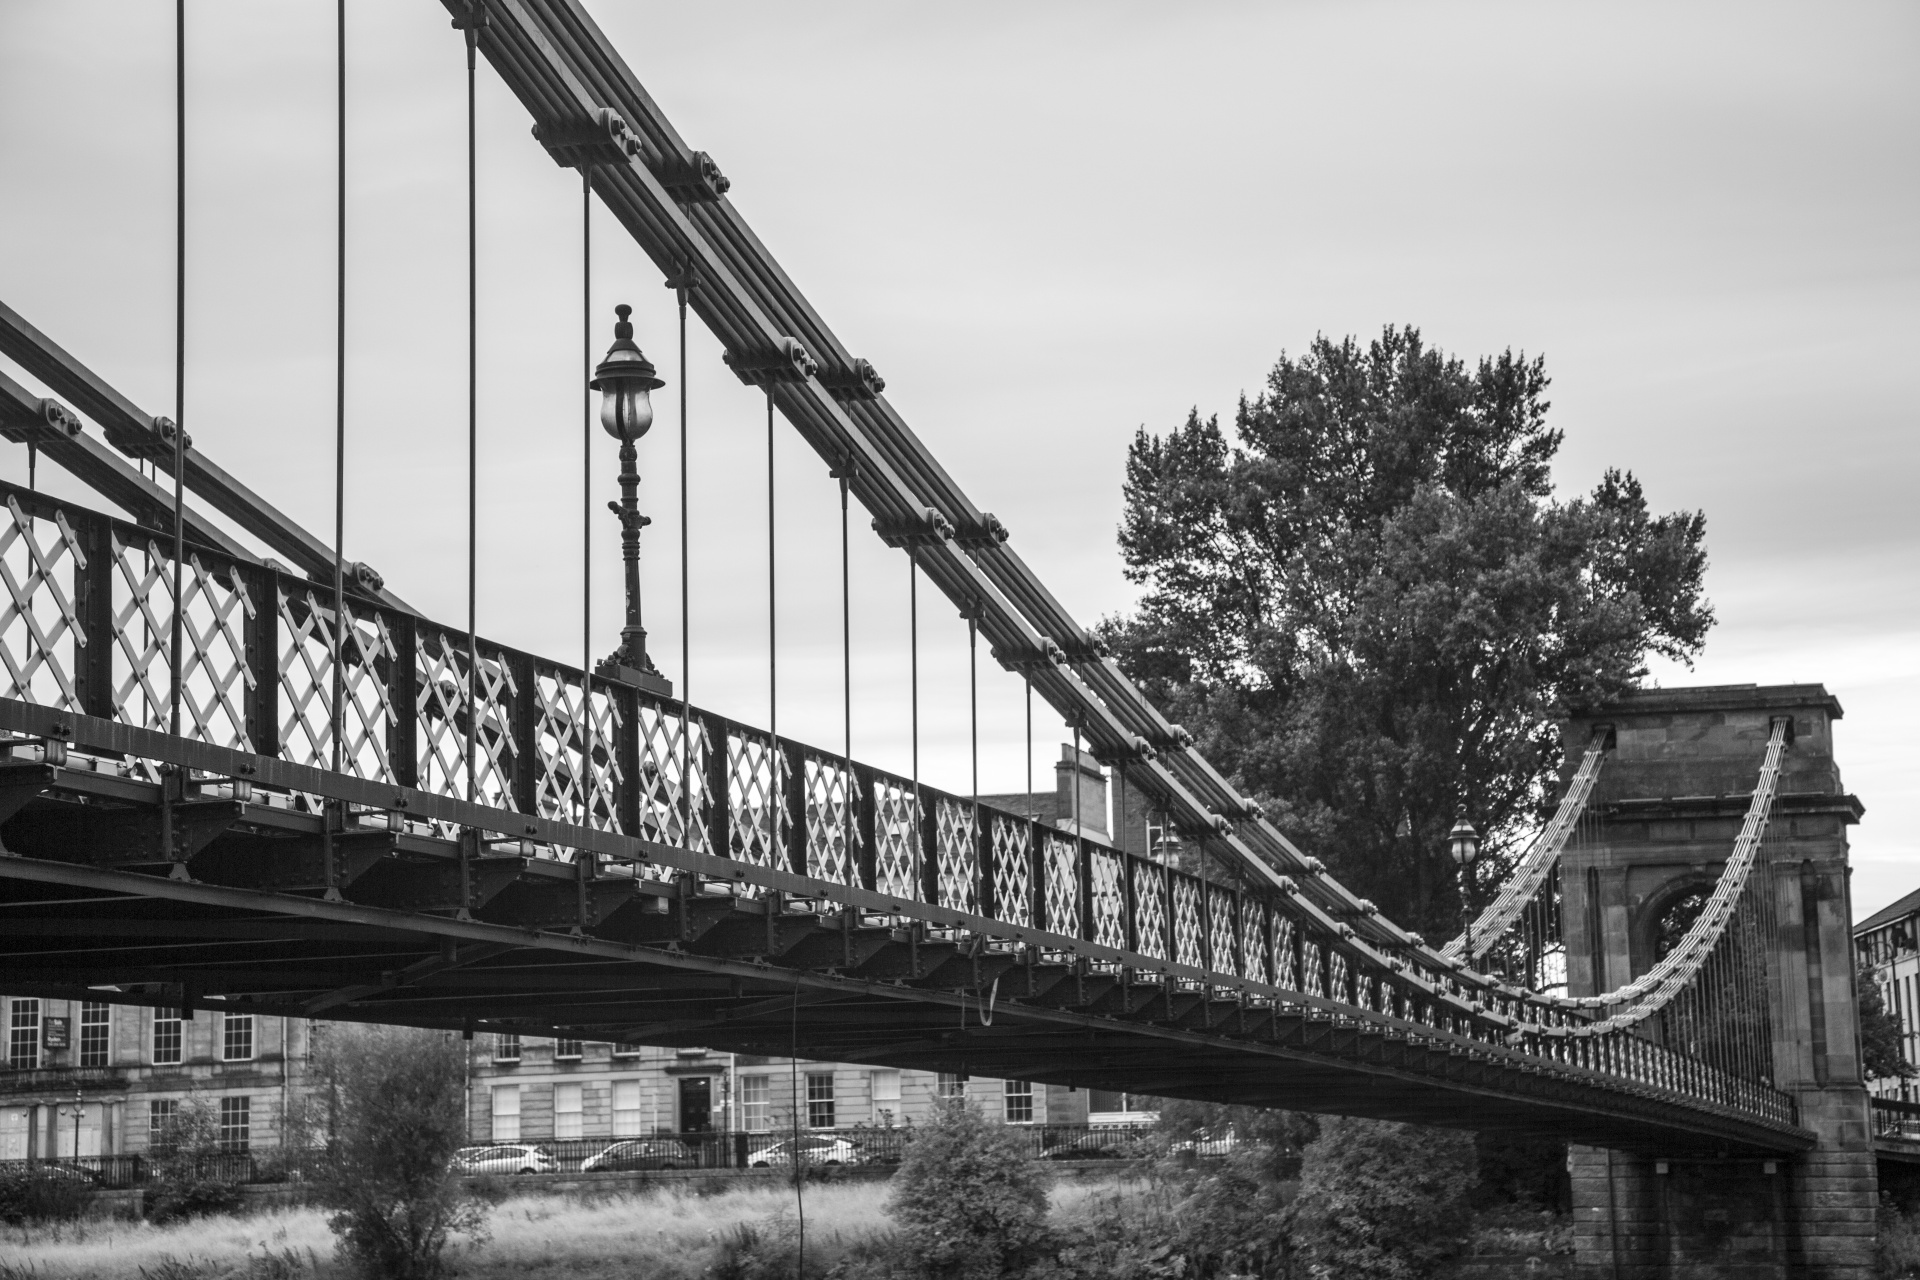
<point>505,1158</point>
<point>817,1150</point>
<point>642,1153</point>
<point>1205,1144</point>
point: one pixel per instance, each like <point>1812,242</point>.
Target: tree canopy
<point>1367,602</point>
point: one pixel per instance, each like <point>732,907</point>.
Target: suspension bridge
<point>244,773</point>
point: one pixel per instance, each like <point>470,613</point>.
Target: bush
<point>396,1104</point>
<point>970,1202</point>
<point>38,1194</point>
<point>1382,1201</point>
<point>1898,1243</point>
<point>190,1174</point>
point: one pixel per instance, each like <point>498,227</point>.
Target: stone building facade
<point>1884,945</point>
<point>98,1079</point>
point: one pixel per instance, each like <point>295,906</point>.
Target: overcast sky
<point>1047,225</point>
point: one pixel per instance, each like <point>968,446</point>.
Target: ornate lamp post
<point>1463,842</point>
<point>625,380</point>
<point>77,1109</point>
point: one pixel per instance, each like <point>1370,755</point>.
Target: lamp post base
<point>645,681</point>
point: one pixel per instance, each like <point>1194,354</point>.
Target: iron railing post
<point>93,603</point>
<point>524,775</point>
<point>865,821</point>
<point>403,687</point>
<point>719,786</point>
<point>794,793</point>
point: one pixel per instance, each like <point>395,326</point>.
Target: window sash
<point>566,1048</point>
<point>236,1123</point>
<point>169,1037</point>
<point>236,1037</point>
<point>755,1104</point>
<point>96,1034</point>
<point>23,1034</point>
<point>819,1100</point>
<point>506,1048</point>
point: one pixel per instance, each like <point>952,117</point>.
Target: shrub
<point>1382,1201</point>
<point>1898,1243</point>
<point>190,1174</point>
<point>395,1099</point>
<point>969,1200</point>
<point>42,1194</point>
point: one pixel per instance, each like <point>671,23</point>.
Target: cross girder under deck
<point>835,981</point>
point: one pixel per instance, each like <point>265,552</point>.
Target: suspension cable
<point>1032,812</point>
<point>589,738</point>
<point>774,851</point>
<point>473,415</point>
<point>336,712</point>
<point>179,347</point>
<point>686,643</point>
<point>973,703</point>
<point>846,672</point>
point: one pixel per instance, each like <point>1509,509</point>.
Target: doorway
<point>696,1104</point>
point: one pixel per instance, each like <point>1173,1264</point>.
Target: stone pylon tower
<point>1661,824</point>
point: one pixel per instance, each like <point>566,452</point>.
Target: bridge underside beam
<point>71,927</point>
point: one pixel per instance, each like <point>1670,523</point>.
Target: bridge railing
<point>86,627</point>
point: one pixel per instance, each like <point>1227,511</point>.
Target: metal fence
<point>819,1148</point>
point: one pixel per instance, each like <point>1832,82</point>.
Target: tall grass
<point>658,1235</point>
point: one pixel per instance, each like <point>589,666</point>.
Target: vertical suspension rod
<point>179,350</point>
<point>337,714</point>
<point>846,669</point>
<point>589,735</point>
<point>774,756</point>
<point>473,415</point>
<point>686,643</point>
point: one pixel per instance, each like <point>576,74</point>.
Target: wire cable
<point>913,702</point>
<point>179,349</point>
<point>774,850</point>
<point>590,784</point>
<point>473,416</point>
<point>336,712</point>
<point>846,678</point>
<point>686,643</point>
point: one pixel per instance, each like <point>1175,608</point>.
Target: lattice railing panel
<point>444,719</point>
<point>1186,921</point>
<point>1012,870</point>
<point>1109,899</point>
<point>577,775</point>
<point>756,790</point>
<point>896,840</point>
<point>1063,886</point>
<point>1337,975</point>
<point>1253,941</point>
<point>830,822</point>
<point>956,845</point>
<point>1221,934</point>
<point>214,676</point>
<point>40,632</point>
<point>1150,909</point>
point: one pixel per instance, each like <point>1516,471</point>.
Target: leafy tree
<point>1881,1057</point>
<point>969,1200</point>
<point>190,1172</point>
<point>1277,1137</point>
<point>1367,603</point>
<point>1382,1201</point>
<point>396,1101</point>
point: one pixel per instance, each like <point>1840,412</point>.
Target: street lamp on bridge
<point>1463,842</point>
<point>625,381</point>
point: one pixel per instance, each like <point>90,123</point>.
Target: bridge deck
<point>239,917</point>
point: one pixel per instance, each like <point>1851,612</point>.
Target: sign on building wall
<point>54,1033</point>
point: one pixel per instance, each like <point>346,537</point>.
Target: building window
<point>506,1113</point>
<point>23,1035</point>
<point>566,1111</point>
<point>886,1097</point>
<point>161,1113</point>
<point>951,1085</point>
<point>566,1049</point>
<point>756,1114</point>
<point>236,1037</point>
<point>236,1123</point>
<point>506,1048</point>
<point>820,1100</point>
<point>1019,1101</point>
<point>626,1050</point>
<point>626,1108</point>
<point>96,1034</point>
<point>168,1038</point>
